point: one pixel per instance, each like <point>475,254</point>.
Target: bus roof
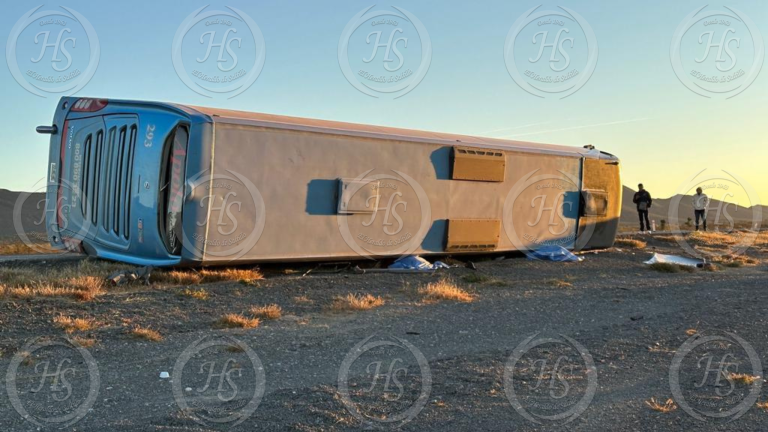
<point>382,132</point>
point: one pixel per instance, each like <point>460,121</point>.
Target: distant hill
<point>660,209</point>
<point>30,214</point>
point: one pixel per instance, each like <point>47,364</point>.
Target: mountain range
<point>660,209</point>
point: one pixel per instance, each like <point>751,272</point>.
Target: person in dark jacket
<point>643,201</point>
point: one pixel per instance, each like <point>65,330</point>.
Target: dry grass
<point>236,275</point>
<point>197,294</point>
<point>83,342</point>
<point>735,261</point>
<point>270,312</point>
<point>146,333</point>
<point>714,238</point>
<point>444,289</point>
<point>666,407</point>
<point>238,321</point>
<point>71,325</point>
<point>669,238</point>
<point>762,239</point>
<point>743,378</point>
<point>26,356</point>
<point>630,242</point>
<point>20,248</point>
<point>762,405</point>
<point>176,277</point>
<point>84,281</point>
<point>356,302</point>
<point>557,283</point>
<point>87,280</point>
<point>193,277</point>
<point>303,300</point>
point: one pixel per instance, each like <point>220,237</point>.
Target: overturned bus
<point>165,184</point>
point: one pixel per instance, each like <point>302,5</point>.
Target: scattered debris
<point>665,407</point>
<point>674,259</point>
<point>123,277</point>
<point>359,270</point>
<point>407,264</point>
<point>415,262</point>
<point>553,253</point>
<point>337,268</point>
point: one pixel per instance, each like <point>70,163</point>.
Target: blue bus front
<point>116,178</point>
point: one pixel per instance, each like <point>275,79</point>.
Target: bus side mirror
<point>47,130</point>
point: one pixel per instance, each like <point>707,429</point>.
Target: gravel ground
<point>543,346</point>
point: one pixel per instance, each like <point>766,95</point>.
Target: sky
<point>457,72</point>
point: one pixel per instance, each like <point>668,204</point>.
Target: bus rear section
<point>116,179</point>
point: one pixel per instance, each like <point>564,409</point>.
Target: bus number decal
<point>149,135</point>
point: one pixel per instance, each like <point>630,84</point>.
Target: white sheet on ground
<point>674,259</point>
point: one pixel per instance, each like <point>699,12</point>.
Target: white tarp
<point>674,259</point>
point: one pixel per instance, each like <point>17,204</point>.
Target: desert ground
<point>302,324</point>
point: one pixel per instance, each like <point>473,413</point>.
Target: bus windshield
<point>172,196</point>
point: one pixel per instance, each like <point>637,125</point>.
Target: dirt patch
<point>630,318</point>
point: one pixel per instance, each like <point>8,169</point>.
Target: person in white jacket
<point>700,204</point>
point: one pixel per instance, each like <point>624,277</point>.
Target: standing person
<point>700,204</point>
<point>643,201</point>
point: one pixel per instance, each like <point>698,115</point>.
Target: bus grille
<point>106,181</point>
